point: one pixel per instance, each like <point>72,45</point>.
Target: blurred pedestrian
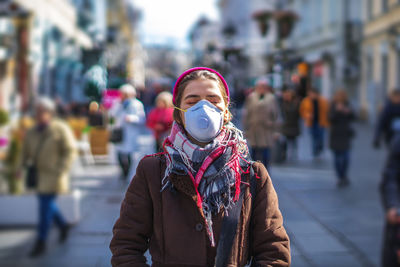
<point>390,113</point>
<point>96,117</point>
<point>160,118</point>
<point>290,105</point>
<point>129,117</point>
<point>14,153</point>
<point>314,110</point>
<point>260,117</point>
<point>390,192</point>
<point>62,110</point>
<point>48,151</point>
<point>204,197</point>
<point>341,115</point>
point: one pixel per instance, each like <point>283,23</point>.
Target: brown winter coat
<point>260,120</point>
<point>171,226</point>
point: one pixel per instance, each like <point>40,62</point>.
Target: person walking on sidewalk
<point>203,190</point>
<point>290,128</point>
<point>48,151</point>
<point>341,116</point>
<point>314,110</point>
<point>160,118</point>
<point>129,116</point>
<point>260,121</point>
<point>390,192</point>
<point>390,113</point>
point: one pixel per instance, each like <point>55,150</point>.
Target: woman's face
<point>340,97</point>
<point>161,103</point>
<point>202,89</point>
<point>287,96</point>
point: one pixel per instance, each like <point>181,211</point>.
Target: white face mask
<point>203,121</point>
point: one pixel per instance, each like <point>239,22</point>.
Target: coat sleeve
<point>389,189</point>
<point>133,229</point>
<point>151,120</point>
<point>67,149</point>
<point>332,115</point>
<point>137,115</point>
<point>383,122</point>
<point>23,159</point>
<point>271,121</point>
<point>303,109</point>
<point>270,242</point>
<point>246,113</point>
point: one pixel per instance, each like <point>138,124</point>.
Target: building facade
<point>380,54</point>
<point>124,54</point>
<point>42,43</point>
<point>205,38</point>
<point>327,39</point>
<point>242,38</point>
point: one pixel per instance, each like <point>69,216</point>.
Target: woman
<point>191,205</point>
<point>341,116</point>
<point>129,118</point>
<point>160,119</point>
<point>291,121</point>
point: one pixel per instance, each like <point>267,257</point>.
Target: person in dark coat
<point>390,193</point>
<point>96,117</point>
<point>181,202</point>
<point>341,116</point>
<point>390,113</point>
<point>291,121</point>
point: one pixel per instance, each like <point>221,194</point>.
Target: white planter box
<point>22,210</point>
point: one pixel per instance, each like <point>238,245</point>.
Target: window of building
<point>333,6</point>
<point>385,4</point>
<point>369,8</point>
<point>319,12</point>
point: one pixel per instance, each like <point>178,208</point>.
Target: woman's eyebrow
<point>191,96</point>
<point>213,96</point>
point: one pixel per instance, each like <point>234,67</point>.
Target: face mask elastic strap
<point>184,110</point>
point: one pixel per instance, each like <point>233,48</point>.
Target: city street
<point>328,226</point>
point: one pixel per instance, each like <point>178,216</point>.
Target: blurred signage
<point>110,97</point>
<point>302,69</point>
<point>318,69</point>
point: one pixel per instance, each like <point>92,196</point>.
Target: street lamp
<point>263,17</point>
<point>285,20</point>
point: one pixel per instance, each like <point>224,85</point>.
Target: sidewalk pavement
<point>328,226</point>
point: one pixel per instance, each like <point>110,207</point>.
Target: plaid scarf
<point>215,169</point>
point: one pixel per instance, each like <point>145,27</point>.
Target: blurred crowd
<point>41,149</point>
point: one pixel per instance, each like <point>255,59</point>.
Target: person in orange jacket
<point>314,111</point>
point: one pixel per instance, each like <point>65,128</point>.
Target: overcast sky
<point>169,21</point>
